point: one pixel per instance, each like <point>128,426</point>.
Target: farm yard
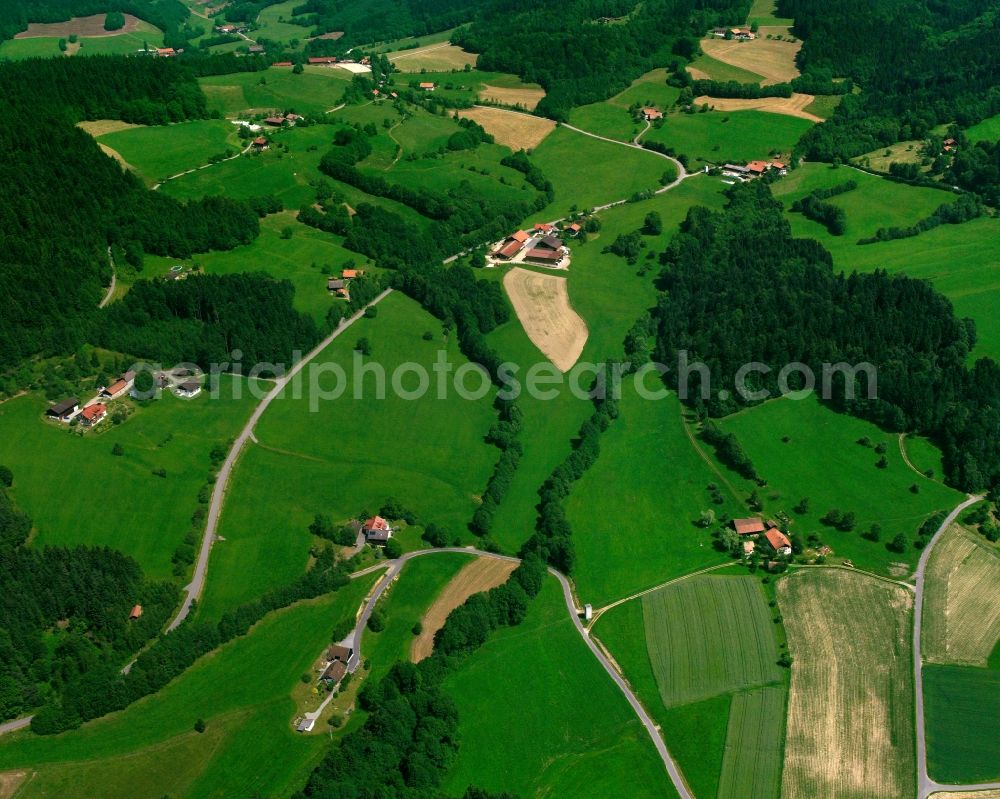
<point>509,128</point>
<point>961,621</point>
<point>543,308</point>
<point>481,574</point>
<point>555,744</point>
<point>850,709</point>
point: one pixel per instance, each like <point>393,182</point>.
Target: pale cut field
<point>524,96</point>
<point>541,303</point>
<point>89,27</point>
<point>10,781</point>
<point>793,106</point>
<point>102,127</point>
<point>850,708</point>
<point>480,575</point>
<point>961,622</point>
<point>434,58</point>
<point>994,794</point>
<point>509,128</point>
<point>774,59</point>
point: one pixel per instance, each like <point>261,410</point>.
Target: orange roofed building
<point>377,530</point>
<point>778,541</point>
<point>136,613</point>
<point>750,526</point>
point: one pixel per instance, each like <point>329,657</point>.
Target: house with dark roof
<point>189,389</point>
<point>276,122</point>
<point>65,410</point>
<point>335,284</point>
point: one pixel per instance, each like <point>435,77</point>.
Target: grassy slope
<point>718,136</point>
<point>572,733</point>
<point>112,500</point>
<point>349,456</point>
<point>270,25</point>
<point>823,462</point>
<point>610,296</point>
<point>987,130</point>
<point>611,118</point>
<point>963,723</point>
<point>720,70</point>
<point>48,46</point>
<point>241,691</point>
<point>161,151</point>
<point>317,90</point>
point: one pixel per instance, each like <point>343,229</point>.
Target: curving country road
<point>394,568</point>
<point>925,785</point>
<point>194,588</point>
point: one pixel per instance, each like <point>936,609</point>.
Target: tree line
<point>966,208</point>
<point>831,216</point>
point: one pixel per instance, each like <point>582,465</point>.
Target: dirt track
<point>480,575</point>
<point>774,59</point>
<point>793,106</point>
<point>541,303</point>
<point>517,131</point>
<point>89,27</point>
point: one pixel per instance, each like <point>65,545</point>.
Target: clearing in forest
<point>961,621</point>
<point>793,106</point>
<point>850,708</point>
<point>90,27</point>
<point>101,127</point>
<point>524,96</point>
<point>434,58</point>
<point>480,575</point>
<point>514,130</point>
<point>541,303</point>
<point>774,59</point>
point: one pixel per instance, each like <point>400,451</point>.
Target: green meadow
<point>963,723</point>
<point>118,44</point>
<point>719,136</point>
<point>924,455</point>
<point>347,456</point>
<point>272,24</point>
<point>720,70</point>
<point>763,13</point>
<point>460,85</point>
<point>987,130</point>
<point>150,749</point>
<point>822,461</point>
<point>539,717</point>
<point>117,501</point>
<point>315,91</point>
<point>158,152</point>
<point>611,117</point>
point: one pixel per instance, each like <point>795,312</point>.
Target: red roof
<point>349,273</point>
<point>749,526</point>
<point>136,612</point>
<point>376,524</point>
<point>326,59</point>
<point>777,539</point>
<point>545,227</point>
<point>510,249</point>
<point>778,164</point>
<point>165,51</point>
<point>426,85</point>
<point>94,412</point>
<point>260,141</point>
<point>757,166</point>
<point>282,64</point>
<point>275,121</point>
<point>574,227</point>
<point>520,236</point>
<point>652,113</point>
<point>115,388</point>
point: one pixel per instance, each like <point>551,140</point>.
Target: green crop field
<point>349,455</point>
<point>823,462</point>
<point>539,717</point>
<point>150,750</point>
<point>611,118</point>
<point>117,501</point>
<point>720,70</point>
<point>963,723</point>
<point>987,130</point>
<point>754,744</point>
<point>719,136</point>
<point>709,635</point>
<point>634,512</point>
<point>850,710</point>
<point>161,151</point>
<point>315,91</point>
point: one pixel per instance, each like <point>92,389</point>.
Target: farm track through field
<point>244,151</point>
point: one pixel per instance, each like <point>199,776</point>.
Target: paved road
<point>194,588</point>
<point>394,568</point>
<point>114,281</point>
<point>925,785</point>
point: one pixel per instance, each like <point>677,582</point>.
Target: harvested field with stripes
<point>751,768</point>
<point>850,730</point>
<point>774,59</point>
<point>709,635</point>
<point>961,623</point>
<point>514,130</point>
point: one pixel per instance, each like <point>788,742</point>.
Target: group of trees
<point>729,451</point>
<point>831,216</point>
<point>504,434</point>
<point>723,273</point>
<point>64,614</point>
<point>964,209</point>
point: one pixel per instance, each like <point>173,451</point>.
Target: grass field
<point>48,47</point>
<point>313,92</point>
<point>963,723</point>
<point>754,744</point>
<point>850,710</point>
<point>822,461</point>
<point>709,635</point>
<point>824,107</point>
<point>611,117</point>
<point>634,512</point>
<point>470,86</point>
<point>987,130</point>
<point>961,622</point>
<point>161,151</point>
<point>117,501</point>
<point>271,24</point>
<point>433,58</point>
<point>712,69</point>
<point>924,455</point>
<point>718,136</point>
<point>348,456</point>
<point>903,152</point>
<point>150,749</point>
<point>763,13</point>
<point>540,718</point>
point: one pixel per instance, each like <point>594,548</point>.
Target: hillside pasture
<point>97,490</point>
<point>542,305</point>
<point>903,152</point>
<point>794,106</point>
<point>272,24</point>
<point>772,59</point>
<point>987,130</point>
<point>90,27</point>
<point>572,734</point>
<point>822,461</point>
<point>612,118</point>
<point>345,456</point>
<point>709,635</point>
<point>439,57</point>
<point>850,710</point>
<point>481,574</point>
<point>963,723</point>
<point>961,621</point>
<point>763,12</point>
<point>517,131</point>
<point>315,91</point>
<point>150,749</point>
